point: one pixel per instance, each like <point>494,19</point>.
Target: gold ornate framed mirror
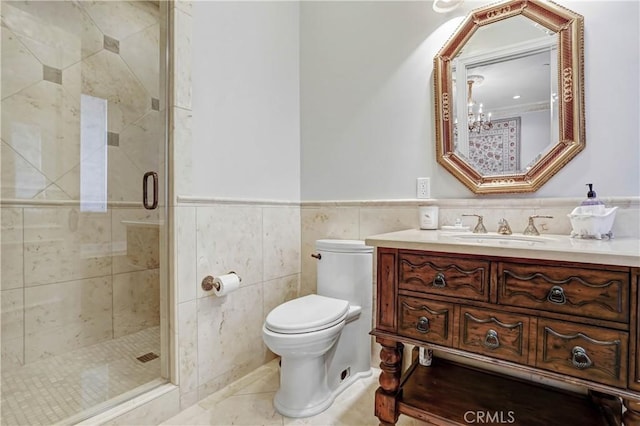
<point>509,96</point>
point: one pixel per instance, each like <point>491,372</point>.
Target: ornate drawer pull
<point>556,295</point>
<point>439,280</point>
<point>579,358</point>
<point>491,340</point>
<point>423,325</point>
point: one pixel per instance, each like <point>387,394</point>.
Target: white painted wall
<point>367,100</point>
<point>334,100</point>
<point>366,109</point>
<point>246,114</point>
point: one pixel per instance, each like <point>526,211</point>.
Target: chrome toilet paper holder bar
<point>208,282</point>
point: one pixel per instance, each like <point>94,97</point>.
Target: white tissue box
<point>589,225</point>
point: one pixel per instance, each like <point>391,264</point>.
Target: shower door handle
<point>145,192</point>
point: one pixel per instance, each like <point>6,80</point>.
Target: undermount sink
<point>498,239</point>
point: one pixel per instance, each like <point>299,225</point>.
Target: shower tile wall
<point>71,278</point>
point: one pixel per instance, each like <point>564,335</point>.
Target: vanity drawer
<point>590,293</point>
<point>497,334</point>
<point>426,320</point>
<point>461,278</point>
<point>591,353</point>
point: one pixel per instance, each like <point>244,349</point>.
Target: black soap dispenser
<point>592,205</point>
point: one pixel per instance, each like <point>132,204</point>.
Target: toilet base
<point>307,411</point>
<point>303,387</point>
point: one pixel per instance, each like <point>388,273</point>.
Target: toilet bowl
<point>322,338</point>
<point>302,331</point>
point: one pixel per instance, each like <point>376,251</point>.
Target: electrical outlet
<point>423,188</point>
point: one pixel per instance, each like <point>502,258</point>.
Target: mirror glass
<point>515,86</point>
<point>501,124</point>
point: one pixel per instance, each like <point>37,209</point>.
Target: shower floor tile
<point>53,389</point>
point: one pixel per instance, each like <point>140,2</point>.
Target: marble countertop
<point>617,251</point>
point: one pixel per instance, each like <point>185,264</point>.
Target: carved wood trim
<point>442,275</point>
<point>532,341</point>
<point>571,137</point>
<point>567,337</point>
<point>516,366</point>
<point>439,321</point>
<point>386,399</point>
<point>387,289</point>
<point>634,333</point>
<point>519,325</point>
<point>573,278</point>
<point>631,417</point>
<point>424,308</point>
<point>601,294</point>
<point>419,280</point>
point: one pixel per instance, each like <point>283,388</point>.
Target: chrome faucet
<point>479,229</point>
<point>503,227</point>
<point>531,228</point>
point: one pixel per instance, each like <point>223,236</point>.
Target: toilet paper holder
<point>208,282</point>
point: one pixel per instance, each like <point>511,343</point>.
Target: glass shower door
<point>83,120</point>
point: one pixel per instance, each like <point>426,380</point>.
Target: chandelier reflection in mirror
<point>477,121</point>
<point>566,134</point>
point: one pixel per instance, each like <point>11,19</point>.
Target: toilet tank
<point>345,271</point>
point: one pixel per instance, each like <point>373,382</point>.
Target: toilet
<point>323,339</point>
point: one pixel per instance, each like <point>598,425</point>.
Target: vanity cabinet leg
<point>631,417</point>
<point>388,392</point>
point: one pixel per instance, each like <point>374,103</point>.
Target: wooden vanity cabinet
<point>571,322</point>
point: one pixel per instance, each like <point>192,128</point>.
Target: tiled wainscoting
<point>269,246</point>
<point>220,338</point>
<point>359,219</point>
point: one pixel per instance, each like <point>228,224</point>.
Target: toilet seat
<point>307,314</point>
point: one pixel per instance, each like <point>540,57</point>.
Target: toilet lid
<point>307,314</point>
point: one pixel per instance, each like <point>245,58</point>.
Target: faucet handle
<point>531,228</point>
<point>479,229</point>
<point>503,227</point>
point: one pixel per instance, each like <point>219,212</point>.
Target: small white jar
<point>428,217</point>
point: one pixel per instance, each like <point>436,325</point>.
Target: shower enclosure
<point>82,256</point>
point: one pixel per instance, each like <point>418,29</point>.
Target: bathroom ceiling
<point>510,56</point>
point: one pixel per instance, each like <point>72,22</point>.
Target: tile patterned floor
<point>249,401</point>
<point>56,388</point>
